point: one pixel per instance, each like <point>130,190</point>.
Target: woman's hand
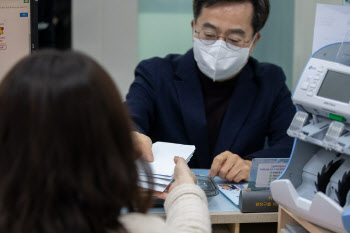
<point>182,175</point>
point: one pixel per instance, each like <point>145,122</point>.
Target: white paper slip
<point>268,172</point>
<point>163,177</point>
<point>163,165</point>
<point>158,177</point>
<point>332,24</point>
<point>156,187</point>
<point>164,154</point>
<point>155,180</point>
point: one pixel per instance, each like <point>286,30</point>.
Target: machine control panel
<point>325,86</point>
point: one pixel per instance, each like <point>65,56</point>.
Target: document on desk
<point>232,190</point>
<point>164,165</point>
<point>332,24</point>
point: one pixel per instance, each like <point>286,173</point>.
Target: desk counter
<point>223,211</point>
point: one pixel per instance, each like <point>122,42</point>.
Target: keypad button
<point>310,93</point>
<point>305,85</point>
<point>320,69</point>
<point>309,76</point>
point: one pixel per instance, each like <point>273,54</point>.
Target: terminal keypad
<point>312,79</point>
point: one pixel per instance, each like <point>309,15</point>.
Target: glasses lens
<point>234,42</point>
<point>207,37</point>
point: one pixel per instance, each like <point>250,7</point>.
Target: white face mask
<point>217,61</point>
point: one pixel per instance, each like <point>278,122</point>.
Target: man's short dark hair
<point>261,10</point>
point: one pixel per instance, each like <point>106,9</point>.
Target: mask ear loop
<point>194,30</point>
<point>251,43</point>
<point>250,46</point>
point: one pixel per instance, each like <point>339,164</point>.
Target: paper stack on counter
<point>163,165</point>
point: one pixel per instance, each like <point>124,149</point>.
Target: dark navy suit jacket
<point>166,103</point>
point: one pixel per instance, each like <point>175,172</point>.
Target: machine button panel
<point>310,93</point>
<point>317,77</point>
<point>320,69</point>
<point>305,85</point>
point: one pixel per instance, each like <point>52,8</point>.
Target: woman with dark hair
<point>67,160</point>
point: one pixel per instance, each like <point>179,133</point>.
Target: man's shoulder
<point>169,62</point>
<point>160,60</point>
<point>267,73</point>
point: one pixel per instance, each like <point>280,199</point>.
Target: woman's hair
<point>67,161</point>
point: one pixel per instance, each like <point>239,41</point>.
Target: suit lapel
<point>192,107</point>
<point>241,102</point>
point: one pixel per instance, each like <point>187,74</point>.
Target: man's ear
<point>192,25</point>
<point>257,38</point>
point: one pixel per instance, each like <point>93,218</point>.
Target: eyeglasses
<point>233,42</point>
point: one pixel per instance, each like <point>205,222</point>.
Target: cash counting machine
<point>316,182</point>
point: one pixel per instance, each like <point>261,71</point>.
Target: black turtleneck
<point>217,97</point>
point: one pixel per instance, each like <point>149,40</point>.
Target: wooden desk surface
<point>230,217</point>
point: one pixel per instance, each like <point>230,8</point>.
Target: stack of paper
<point>163,165</point>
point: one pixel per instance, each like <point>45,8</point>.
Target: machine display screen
<point>336,86</point>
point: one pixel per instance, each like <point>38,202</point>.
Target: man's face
<point>228,19</point>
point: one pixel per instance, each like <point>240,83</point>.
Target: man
<point>214,96</point>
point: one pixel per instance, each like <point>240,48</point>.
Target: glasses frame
<point>228,45</point>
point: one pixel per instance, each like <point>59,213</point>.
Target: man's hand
<point>144,145</point>
<point>231,167</point>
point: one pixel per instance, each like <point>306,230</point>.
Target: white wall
<point>276,43</point>
<point>107,30</point>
